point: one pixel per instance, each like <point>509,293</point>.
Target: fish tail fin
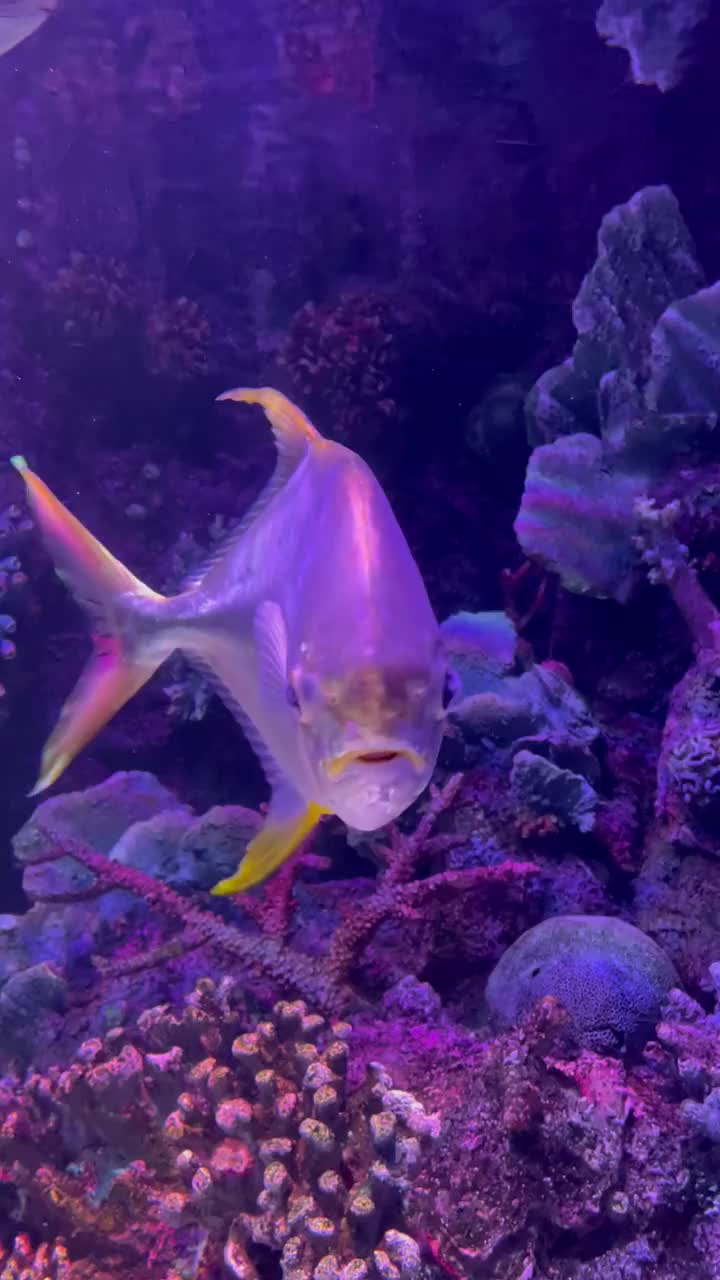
<point>118,665</point>
<point>292,430</point>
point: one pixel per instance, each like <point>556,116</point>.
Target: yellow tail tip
<point>224,888</point>
<point>19,463</point>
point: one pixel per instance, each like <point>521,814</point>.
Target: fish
<point>20,19</point>
<point>313,623</point>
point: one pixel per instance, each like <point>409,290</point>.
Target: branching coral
<point>434,901</point>
<point>140,930</point>
<point>265,957</point>
<point>184,1142</point>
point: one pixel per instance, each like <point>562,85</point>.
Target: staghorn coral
<point>448,904</point>
<point>185,1139</point>
<point>97,911</point>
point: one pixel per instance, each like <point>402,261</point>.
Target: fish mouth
<point>378,756</point>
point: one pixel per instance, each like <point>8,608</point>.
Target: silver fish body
<point>315,625</point>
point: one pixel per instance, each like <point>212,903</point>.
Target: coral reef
<point>379,208</point>
<point>570,1157</point>
<point>185,1141</point>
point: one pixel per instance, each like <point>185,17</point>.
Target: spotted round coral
<point>610,977</point>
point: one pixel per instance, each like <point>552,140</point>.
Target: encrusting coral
<point>186,1141</point>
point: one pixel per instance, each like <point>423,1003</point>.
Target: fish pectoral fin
<point>271,649</point>
<point>279,838</point>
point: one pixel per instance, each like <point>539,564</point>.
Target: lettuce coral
<point>636,394</point>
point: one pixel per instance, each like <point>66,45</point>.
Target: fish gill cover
<point>476,247</point>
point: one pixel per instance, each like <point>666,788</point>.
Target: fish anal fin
<point>279,838</point>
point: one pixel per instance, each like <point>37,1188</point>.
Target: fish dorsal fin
<point>294,435</point>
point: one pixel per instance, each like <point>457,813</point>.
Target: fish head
<point>370,737</point>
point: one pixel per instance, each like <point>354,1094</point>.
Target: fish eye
<point>450,688</point>
<point>292,697</point>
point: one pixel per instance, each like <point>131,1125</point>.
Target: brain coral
<point>610,977</point>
